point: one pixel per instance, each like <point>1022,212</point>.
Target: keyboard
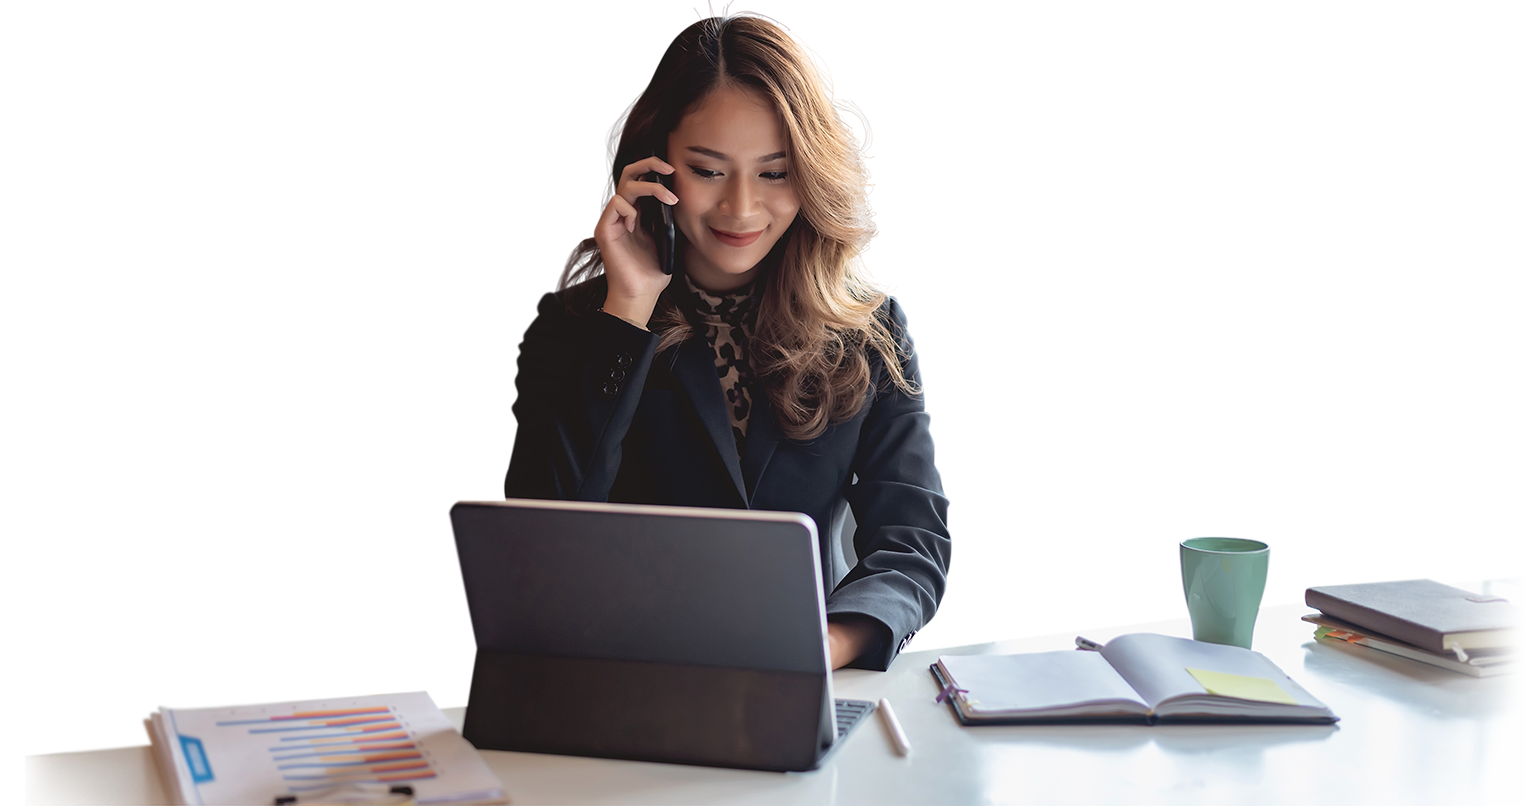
<point>849,712</point>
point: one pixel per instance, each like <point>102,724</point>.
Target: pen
<point>1082,643</point>
<point>351,794</point>
<point>897,736</point>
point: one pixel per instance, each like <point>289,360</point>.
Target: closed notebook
<point>1422,612</point>
<point>1478,663</point>
<point>256,753</point>
<point>1141,677</point>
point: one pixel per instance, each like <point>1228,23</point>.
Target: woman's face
<point>734,194</point>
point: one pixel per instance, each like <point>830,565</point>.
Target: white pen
<point>897,736</point>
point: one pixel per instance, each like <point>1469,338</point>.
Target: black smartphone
<point>657,219</point>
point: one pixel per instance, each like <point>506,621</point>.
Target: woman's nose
<point>740,199</point>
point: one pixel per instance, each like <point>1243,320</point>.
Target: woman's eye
<point>771,176</point>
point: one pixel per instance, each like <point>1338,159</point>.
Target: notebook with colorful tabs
<point>1478,663</point>
<point>1422,612</point>
<point>1141,677</point>
<point>259,753</point>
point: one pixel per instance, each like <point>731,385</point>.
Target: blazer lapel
<point>694,367</point>
<point>763,436</point>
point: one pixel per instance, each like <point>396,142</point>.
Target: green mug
<point>1223,578</point>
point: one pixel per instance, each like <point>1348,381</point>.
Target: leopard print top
<point>728,321</point>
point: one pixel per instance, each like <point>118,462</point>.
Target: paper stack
<point>1422,620</point>
<point>257,753</point>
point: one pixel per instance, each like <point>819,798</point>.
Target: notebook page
<point>1156,666</point>
<point>1037,681</point>
<point>250,754</point>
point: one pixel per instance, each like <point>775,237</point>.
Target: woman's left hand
<point>847,637</point>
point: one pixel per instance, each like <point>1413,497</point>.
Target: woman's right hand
<point>630,256</point>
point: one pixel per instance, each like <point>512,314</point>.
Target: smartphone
<point>657,219</point>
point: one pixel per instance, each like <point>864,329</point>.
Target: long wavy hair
<point>817,320</point>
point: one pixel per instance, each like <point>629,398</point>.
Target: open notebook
<point>1141,677</point>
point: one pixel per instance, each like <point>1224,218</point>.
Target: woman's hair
<point>817,317</point>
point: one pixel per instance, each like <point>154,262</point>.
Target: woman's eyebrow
<point>710,152</point>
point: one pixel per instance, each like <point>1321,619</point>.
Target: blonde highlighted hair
<point>817,319</point>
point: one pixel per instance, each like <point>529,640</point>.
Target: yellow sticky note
<point>1241,687</point>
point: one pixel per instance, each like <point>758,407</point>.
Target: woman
<point>817,407</point>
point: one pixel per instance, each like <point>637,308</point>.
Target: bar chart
<point>320,749</point>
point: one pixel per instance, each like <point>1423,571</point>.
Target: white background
<point>1285,179</point>
<point>1288,177</point>
<point>209,177</point>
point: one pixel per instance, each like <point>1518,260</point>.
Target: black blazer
<point>604,417</point>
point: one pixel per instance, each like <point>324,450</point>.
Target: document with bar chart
<point>256,753</point>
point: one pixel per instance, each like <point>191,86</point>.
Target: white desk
<point>1409,733</point>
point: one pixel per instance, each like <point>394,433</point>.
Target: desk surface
<point>1409,733</point>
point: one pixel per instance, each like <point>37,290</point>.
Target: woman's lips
<point>735,238</point>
